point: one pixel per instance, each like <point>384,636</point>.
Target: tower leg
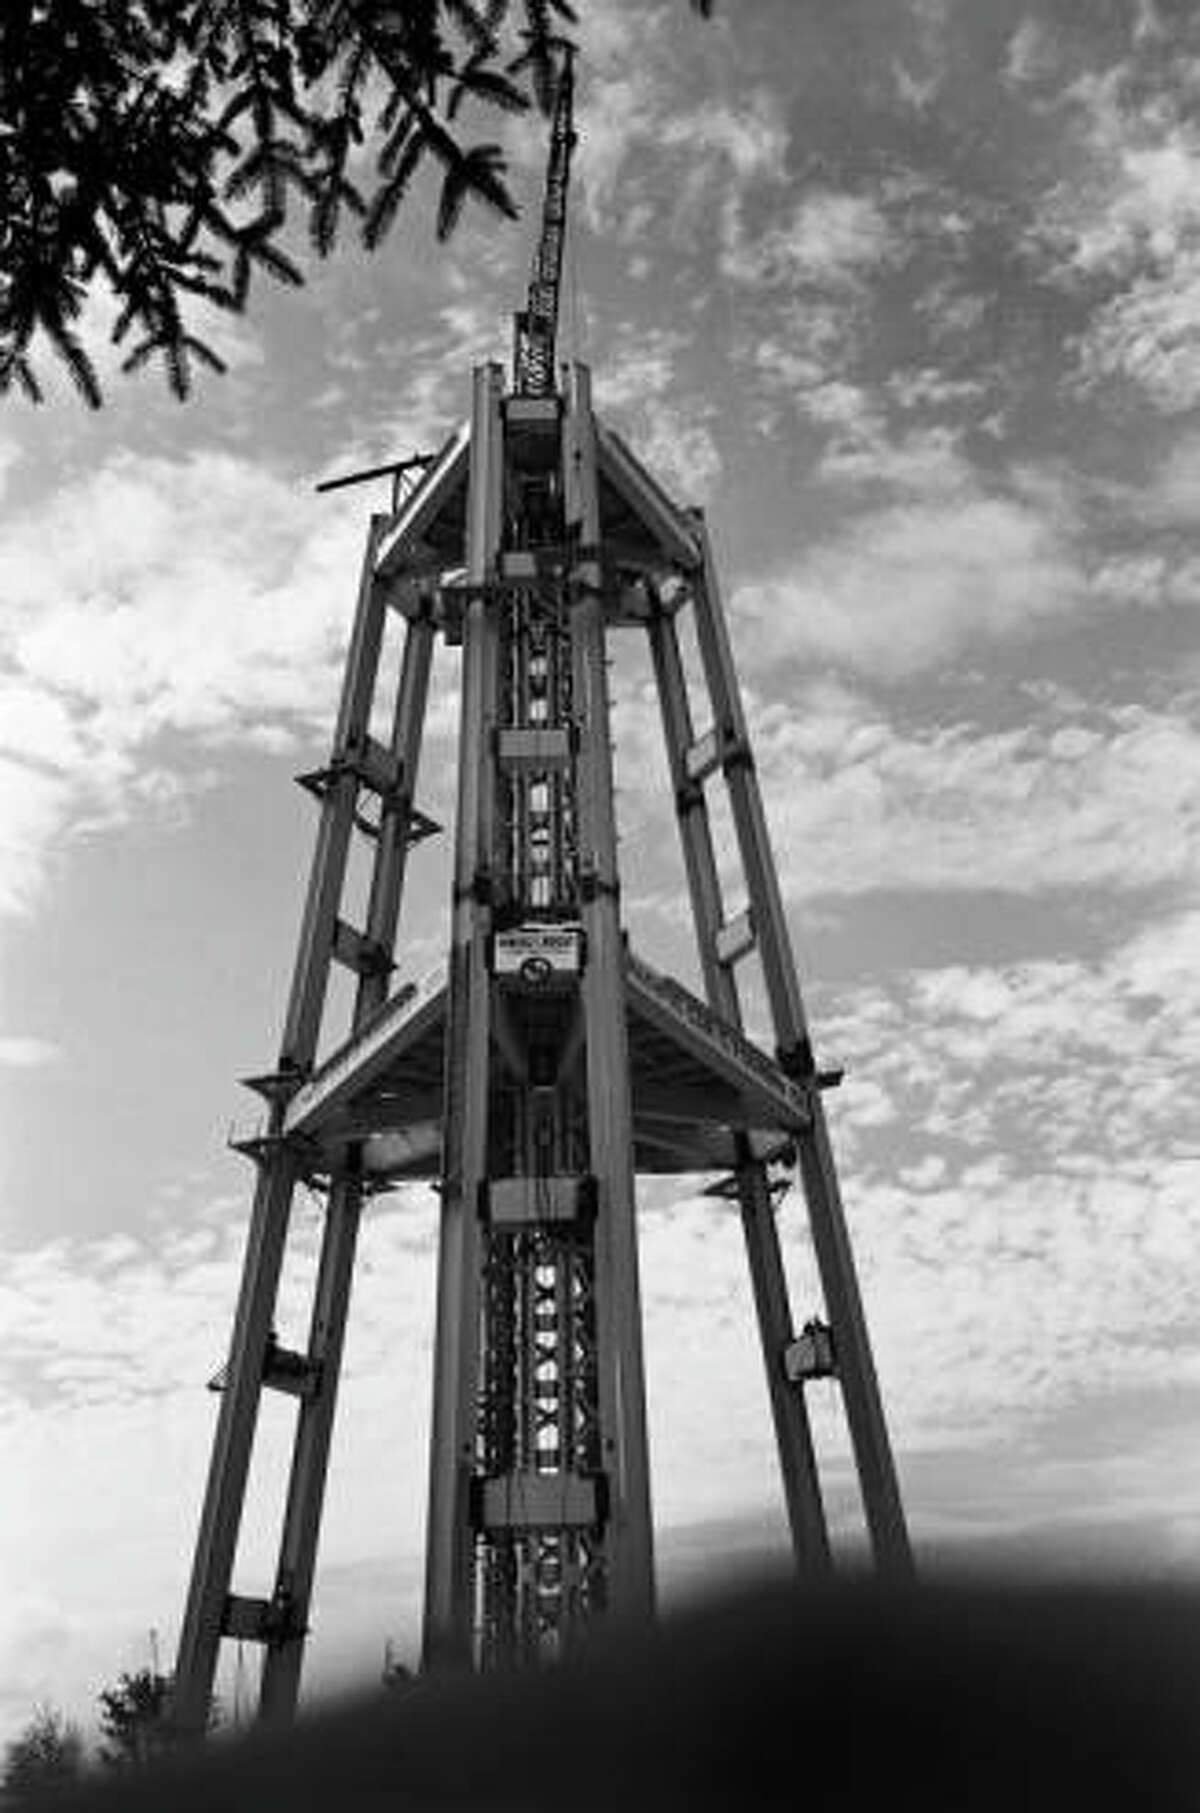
<point>328,875</point>
<point>797,1461</point>
<point>831,1242</point>
<point>391,855</point>
<point>793,1437</point>
<point>220,1519</point>
<point>855,1365</point>
<point>310,1454</point>
<point>212,1610</point>
<point>331,1302</point>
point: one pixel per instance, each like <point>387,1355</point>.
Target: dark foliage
<point>132,1719</point>
<point>46,1758</point>
<point>955,1697</point>
<point>167,146</point>
<point>164,147</point>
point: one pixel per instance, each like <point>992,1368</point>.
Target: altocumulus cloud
<point>860,803</point>
<point>200,598</point>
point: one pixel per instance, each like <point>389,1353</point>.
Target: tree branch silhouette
<point>162,150</point>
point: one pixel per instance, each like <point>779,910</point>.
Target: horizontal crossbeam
<point>736,938</point>
<point>515,1202</point>
<point>539,1501</point>
<point>251,1620</point>
<point>360,953</point>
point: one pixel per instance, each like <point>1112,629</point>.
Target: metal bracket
<point>261,1620</point>
<point>728,1189</point>
<point>291,1372</point>
<point>274,1085</point>
<point>264,1147</point>
<point>395,469</point>
<point>811,1355</point>
<point>358,952</point>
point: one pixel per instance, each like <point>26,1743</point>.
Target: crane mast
<point>536,326</point>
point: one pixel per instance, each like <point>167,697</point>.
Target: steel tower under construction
<point>545,1066</point>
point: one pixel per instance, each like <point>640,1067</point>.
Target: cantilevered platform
<point>696,1082</point>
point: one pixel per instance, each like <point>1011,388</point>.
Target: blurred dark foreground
<point>963,1696</point>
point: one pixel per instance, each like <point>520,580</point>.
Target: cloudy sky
<point>907,293</point>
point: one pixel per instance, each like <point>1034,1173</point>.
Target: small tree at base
<point>132,1722</point>
<point>46,1758</point>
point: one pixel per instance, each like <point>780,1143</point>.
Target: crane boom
<point>536,326</point>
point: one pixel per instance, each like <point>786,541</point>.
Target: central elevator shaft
<point>539,1501</point>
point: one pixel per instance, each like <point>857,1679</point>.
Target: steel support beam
<point>310,1455</point>
<point>831,1241</point>
<point>327,878</point>
<point>331,1304</point>
<point>449,1578</point>
<point>610,1120</point>
<point>391,856</point>
<point>793,1436</point>
<point>221,1515</point>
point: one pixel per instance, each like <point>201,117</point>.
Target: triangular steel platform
<point>697,1084</point>
<point>536,1073</point>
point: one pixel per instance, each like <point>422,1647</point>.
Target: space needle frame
<point>544,1067</point>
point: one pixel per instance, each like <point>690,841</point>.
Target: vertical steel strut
<point>831,1242</point>
<point>357,767</point>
